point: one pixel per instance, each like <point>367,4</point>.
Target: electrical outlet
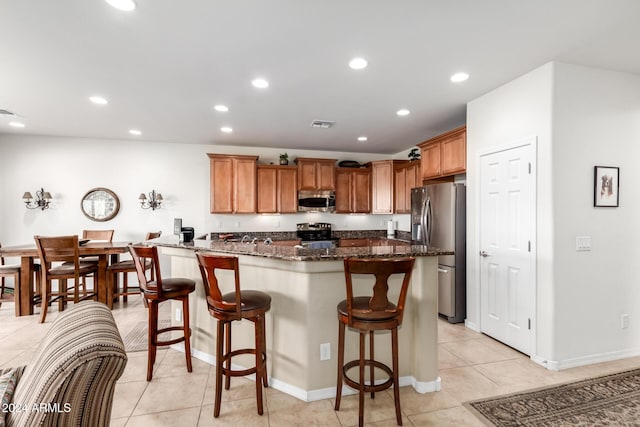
<point>237,224</point>
<point>625,321</point>
<point>583,243</point>
<point>219,225</point>
<point>178,315</point>
<point>325,351</point>
<point>276,224</point>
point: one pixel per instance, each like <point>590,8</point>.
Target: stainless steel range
<point>316,235</point>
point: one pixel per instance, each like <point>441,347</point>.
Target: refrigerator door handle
<point>429,228</point>
<point>423,221</point>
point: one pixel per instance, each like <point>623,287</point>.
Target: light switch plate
<point>583,243</point>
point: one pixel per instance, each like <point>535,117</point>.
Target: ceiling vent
<point>322,124</point>
<point>6,112</point>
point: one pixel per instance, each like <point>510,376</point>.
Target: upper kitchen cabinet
<point>444,155</point>
<point>383,186</point>
<point>353,190</point>
<point>316,174</point>
<point>233,183</point>
<point>277,189</point>
<point>406,177</point>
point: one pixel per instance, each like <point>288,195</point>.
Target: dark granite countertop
<point>291,253</point>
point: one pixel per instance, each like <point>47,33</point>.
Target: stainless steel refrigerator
<point>438,219</point>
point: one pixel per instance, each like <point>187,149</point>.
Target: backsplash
<point>291,235</point>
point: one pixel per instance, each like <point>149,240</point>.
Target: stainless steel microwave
<point>317,201</point>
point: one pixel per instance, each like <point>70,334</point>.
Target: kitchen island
<point>305,286</point>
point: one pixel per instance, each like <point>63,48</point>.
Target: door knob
<point>484,254</point>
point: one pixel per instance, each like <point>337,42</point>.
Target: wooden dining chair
<point>62,249</point>
<point>14,271</point>
<point>114,291</point>
<point>99,235</point>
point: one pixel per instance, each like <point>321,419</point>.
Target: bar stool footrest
<point>368,388</point>
<point>236,372</point>
<point>173,341</point>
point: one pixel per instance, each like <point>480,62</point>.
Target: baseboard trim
<point>558,365</point>
<point>319,394</point>
<point>471,325</point>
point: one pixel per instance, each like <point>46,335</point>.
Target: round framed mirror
<point>100,204</point>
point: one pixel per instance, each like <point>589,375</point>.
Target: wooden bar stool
<point>125,267</point>
<point>368,314</point>
<point>157,291</point>
<point>237,305</point>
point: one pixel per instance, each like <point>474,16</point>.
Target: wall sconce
<point>43,198</point>
<point>154,201</point>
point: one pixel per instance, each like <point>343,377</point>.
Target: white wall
<point>518,110</point>
<point>69,167</point>
<point>581,117</point>
<point>596,122</point>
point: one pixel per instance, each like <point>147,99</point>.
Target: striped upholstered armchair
<point>71,380</point>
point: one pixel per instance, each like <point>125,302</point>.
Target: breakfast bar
<point>306,286</point>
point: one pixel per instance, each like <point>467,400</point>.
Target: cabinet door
<point>361,191</point>
<point>221,185</point>
<point>412,180</point>
<point>454,155</point>
<point>306,175</point>
<point>399,179</point>
<point>245,186</point>
<point>267,190</point>
<point>343,191</point>
<point>287,190</point>
<point>326,175</point>
<point>382,184</point>
<point>430,159</point>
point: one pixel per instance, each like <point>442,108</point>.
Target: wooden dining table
<point>23,295</point>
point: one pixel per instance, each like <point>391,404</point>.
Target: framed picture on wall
<point>606,186</point>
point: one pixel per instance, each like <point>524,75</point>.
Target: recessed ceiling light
<point>221,108</point>
<point>362,138</point>
<point>126,5</point>
<point>358,63</point>
<point>459,77</point>
<point>403,112</point>
<point>260,83</point>
<point>98,100</point>
<point>16,124</point>
<point>226,129</point>
<point>135,132</point>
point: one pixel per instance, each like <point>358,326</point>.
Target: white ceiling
<point>165,65</point>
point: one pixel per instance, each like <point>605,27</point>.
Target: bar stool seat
<point>248,304</point>
<point>368,314</point>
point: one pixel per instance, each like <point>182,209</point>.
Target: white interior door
<point>506,259</point>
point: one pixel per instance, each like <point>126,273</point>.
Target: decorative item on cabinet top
<point>42,201</point>
<point>284,159</point>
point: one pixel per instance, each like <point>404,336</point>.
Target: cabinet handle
<point>442,270</point>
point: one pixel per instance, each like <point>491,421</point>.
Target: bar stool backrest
<point>103,235</point>
<point>382,269</point>
<point>153,235</point>
<point>140,254</point>
<point>208,265</point>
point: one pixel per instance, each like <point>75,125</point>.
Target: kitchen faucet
<point>268,241</point>
<point>246,236</point>
<point>253,242</point>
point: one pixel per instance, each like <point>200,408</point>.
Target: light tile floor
<point>472,366</point>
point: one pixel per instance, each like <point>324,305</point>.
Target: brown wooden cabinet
<point>382,185</point>
<point>277,189</point>
<point>444,155</point>
<point>316,174</point>
<point>406,177</point>
<point>353,190</point>
<point>232,183</point>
